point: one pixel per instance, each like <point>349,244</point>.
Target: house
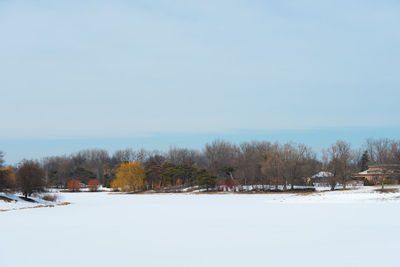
<point>321,178</point>
<point>375,173</point>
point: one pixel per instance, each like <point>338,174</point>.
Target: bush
<point>50,197</point>
<point>93,185</point>
<point>368,183</point>
<point>74,185</point>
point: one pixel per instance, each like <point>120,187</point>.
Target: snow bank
<point>18,202</point>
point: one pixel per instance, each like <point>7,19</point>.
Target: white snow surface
<point>343,228</point>
<point>18,202</point>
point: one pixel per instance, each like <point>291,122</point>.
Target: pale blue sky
<point>133,69</point>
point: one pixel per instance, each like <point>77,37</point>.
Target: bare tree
<point>123,156</point>
<point>95,160</point>
<point>383,151</point>
<point>249,161</point>
<point>157,158</point>
<point>58,170</point>
<point>273,165</point>
<point>338,160</point>
<point>180,156</point>
<point>221,158</point>
<point>30,177</point>
<point>299,159</point>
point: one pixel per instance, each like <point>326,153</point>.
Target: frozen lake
<point>356,228</point>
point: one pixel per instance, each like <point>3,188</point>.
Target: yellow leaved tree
<point>130,177</point>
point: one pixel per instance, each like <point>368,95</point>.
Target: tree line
<point>219,163</point>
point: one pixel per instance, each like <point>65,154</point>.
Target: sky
<point>115,74</point>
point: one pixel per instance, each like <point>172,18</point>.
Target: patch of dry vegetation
<point>311,193</point>
<point>6,199</point>
<point>50,197</point>
<point>39,206</point>
<point>387,190</point>
<point>63,204</point>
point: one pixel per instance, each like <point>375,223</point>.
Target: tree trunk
<point>333,184</point>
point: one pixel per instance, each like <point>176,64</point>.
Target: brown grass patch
<point>63,204</point>
<point>6,199</point>
<point>39,206</point>
<point>214,192</point>
<point>311,193</point>
<point>387,190</point>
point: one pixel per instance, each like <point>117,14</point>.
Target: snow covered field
<point>343,228</point>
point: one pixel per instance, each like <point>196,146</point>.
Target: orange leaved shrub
<point>93,185</point>
<point>74,185</point>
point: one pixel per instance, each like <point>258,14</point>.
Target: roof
<point>322,174</point>
<point>383,165</point>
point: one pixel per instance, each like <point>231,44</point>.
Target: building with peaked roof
<point>376,172</point>
<point>321,178</point>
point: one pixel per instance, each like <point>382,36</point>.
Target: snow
<point>322,174</point>
<point>342,228</point>
<point>101,188</point>
<point>18,203</point>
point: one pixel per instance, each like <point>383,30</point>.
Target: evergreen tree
<point>153,175</point>
<point>364,161</point>
<point>207,181</point>
<point>1,159</point>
